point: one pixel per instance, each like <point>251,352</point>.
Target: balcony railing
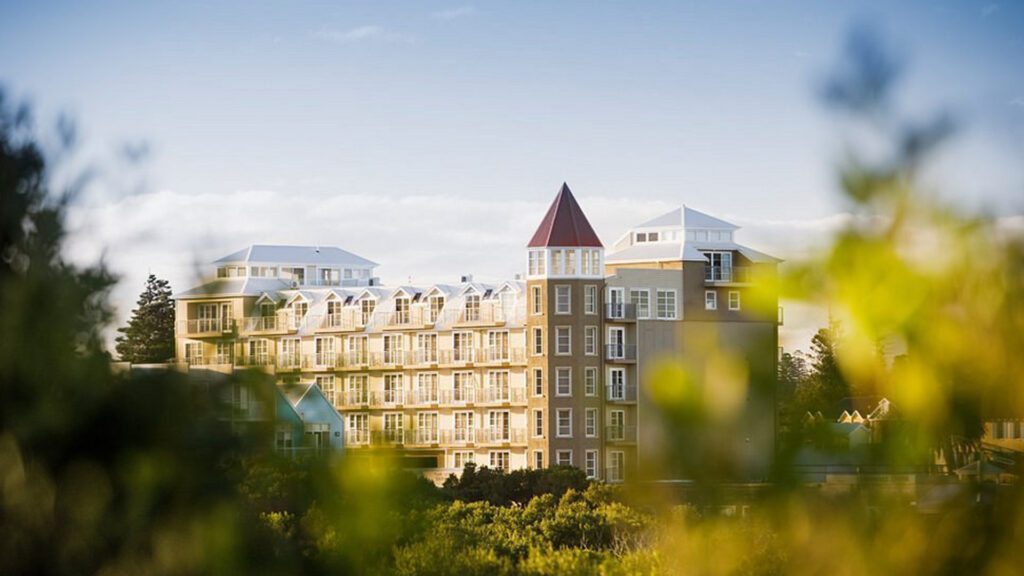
<point>620,352</point>
<point>620,392</point>
<point>459,436</point>
<point>356,358</point>
<point>503,395</point>
<point>620,311</point>
<point>503,435</point>
<point>255,324</point>
<point>620,433</point>
<point>289,361</point>
<point>487,314</point>
<point>614,474</point>
<point>357,437</point>
<point>424,397</point>
<point>459,396</point>
<point>325,360</point>
<point>425,356</point>
<point>342,321</point>
<point>388,437</point>
<point>197,326</point>
<point>355,398</point>
<point>426,436</point>
<point>266,359</point>
<point>387,398</point>
<point>726,274</point>
<point>457,356</point>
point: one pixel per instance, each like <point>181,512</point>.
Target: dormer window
<point>401,311</point>
<point>366,308</point>
<point>435,307</point>
<point>644,237</point>
<point>300,309</point>
<point>472,308</point>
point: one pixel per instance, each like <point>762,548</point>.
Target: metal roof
<point>274,254</point>
<point>565,224</point>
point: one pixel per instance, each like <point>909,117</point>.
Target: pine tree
<point>828,380</point>
<point>149,335</point>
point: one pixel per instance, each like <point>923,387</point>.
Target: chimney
<point>467,278</point>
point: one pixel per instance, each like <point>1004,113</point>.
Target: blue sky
<point>429,136</point>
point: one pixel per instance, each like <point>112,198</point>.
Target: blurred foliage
<point>137,473</point>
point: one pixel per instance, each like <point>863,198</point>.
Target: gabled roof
<point>565,224</point>
<point>272,254</point>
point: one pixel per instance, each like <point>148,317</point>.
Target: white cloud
<point>453,13</point>
<point>363,34</point>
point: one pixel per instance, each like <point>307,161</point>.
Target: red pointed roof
<point>565,225</point>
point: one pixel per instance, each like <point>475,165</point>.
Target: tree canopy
<point>149,335</point>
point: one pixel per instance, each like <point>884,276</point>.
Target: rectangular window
<point>616,466</point>
<point>617,384</point>
<point>498,422</point>
<point>641,302</point>
<point>710,300</point>
<point>394,428</point>
<point>462,346</point>
<point>357,429</point>
<point>426,348</point>
<point>563,299</point>
<point>590,340</point>
<point>617,425</point>
<point>563,381</point>
<point>357,390</point>
<point>426,388</point>
<point>497,386</point>
<point>538,341</point>
<point>426,427</point>
<point>537,301</point>
<point>666,304</point>
<point>499,460</point>
<point>590,423</point>
<point>563,340</point>
<point>464,431</point>
<point>718,267</point>
<point>556,262</point>
<point>471,310</point>
<point>585,262</point>
<point>366,308</point>
<point>538,382</point>
<point>461,458</point>
<point>357,350</point>
<point>435,308</point>
<point>326,386</point>
<point>325,351</point>
<point>538,459</point>
<point>563,420</point>
<point>590,299</point>
<point>393,349</point>
<point>590,463</point>
<point>570,262</point>
<point>590,381</point>
<point>497,346</point>
<point>463,387</point>
<point>538,423</point>
<point>734,300</point>
<point>595,262</point>
<point>394,391</point>
<point>563,458</point>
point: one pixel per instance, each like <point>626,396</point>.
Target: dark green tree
<point>149,335</point>
<point>825,385</point>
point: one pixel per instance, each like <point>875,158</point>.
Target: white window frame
<point>538,459</point>
<point>734,306</point>
<point>502,455</point>
<point>590,340</point>
<point>537,341</point>
<point>560,431</point>
<point>538,382</point>
<point>643,313</point>
<point>465,456</point>
<point>536,301</point>
<point>558,457</point>
<point>538,423</point>
<point>711,300</point>
<point>563,299</point>
<point>590,423</point>
<point>590,299</point>
<point>561,331</point>
<point>675,304</point>
<point>559,371</point>
<point>590,381</point>
<point>591,463</point>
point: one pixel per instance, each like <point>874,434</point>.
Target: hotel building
<point>547,368</point>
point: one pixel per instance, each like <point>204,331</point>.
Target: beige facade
<point>553,369</point>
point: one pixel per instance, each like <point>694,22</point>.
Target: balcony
<point>503,395</point>
<point>354,399</point>
<point>357,437</point>
<point>727,274</point>
<point>501,355</point>
<point>290,361</point>
<point>424,397</point>
<point>387,398</point>
<point>324,360</point>
<point>345,321</point>
<point>414,319</point>
<point>459,396</point>
<point>354,360</point>
<point>503,435</point>
<point>207,326</point>
<point>620,353</point>
<point>388,437</point>
<point>620,434</point>
<point>620,312</point>
<point>459,436</point>
<point>457,357</point>
<point>614,474</point>
<point>620,392</point>
<point>262,325</point>
<point>255,360</point>
<point>425,436</point>
<point>424,357</point>
<point>488,314</point>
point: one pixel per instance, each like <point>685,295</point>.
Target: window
<point>590,381</point>
<point>401,315</point>
<point>556,262</point>
<point>497,346</point>
<point>426,388</point>
<point>616,465</point>
<point>538,382</point>
<point>536,267</point>
<point>536,300</point>
<point>499,460</point>
<point>326,386</point>
<point>426,348</point>
<point>471,311</point>
<point>538,341</point>
<point>617,425</point>
<point>393,349</point>
<point>563,421</point>
<point>616,348</point>
<point>590,423</point>
<point>590,463</point>
<point>538,423</point>
<point>330,277</point>
<point>615,305</point>
<point>590,340</point>
<point>570,262</point>
<point>357,389</point>
<point>498,425</point>
<point>616,384</point>
<point>563,381</point>
<point>461,458</point>
<point>223,354</point>
<point>595,262</point>
<point>366,308</point>
<point>538,459</point>
<point>563,458</point>
<point>435,308</point>
<point>426,427</point>
<point>585,262</point>
<point>325,351</point>
<point>394,428</point>
<point>666,304</point>
<point>563,340</point>
<point>734,299</point>
<point>258,352</point>
<point>718,267</point>
<point>641,302</point>
<point>283,440</point>
<point>497,386</point>
<point>563,300</point>
<point>357,346</point>
<point>710,300</point>
<point>289,353</point>
<point>997,430</point>
<point>394,393</point>
<point>463,389</point>
<point>462,344</point>
<point>590,299</point>
<point>357,428</point>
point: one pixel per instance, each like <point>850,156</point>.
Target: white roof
<point>272,254</point>
<point>239,286</point>
<point>686,217</point>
